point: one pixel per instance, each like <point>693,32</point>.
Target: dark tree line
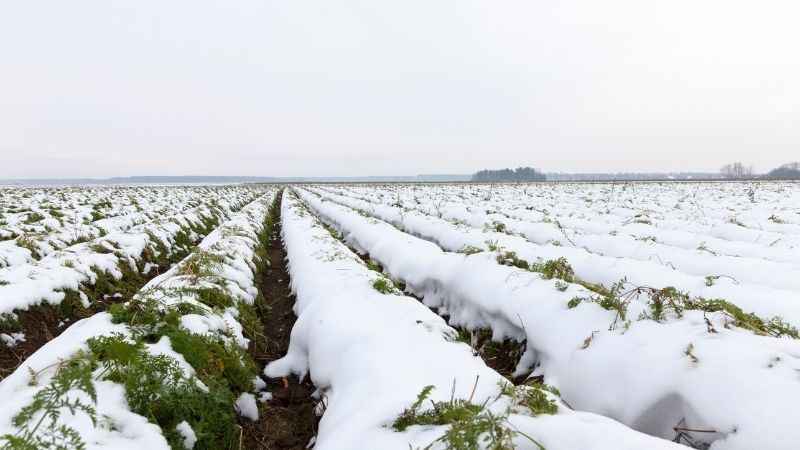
<point>736,170</point>
<point>518,174</point>
<point>790,171</point>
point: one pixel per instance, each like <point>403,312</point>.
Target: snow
<point>624,384</point>
<point>763,299</point>
<point>70,214</point>
<point>259,384</point>
<point>162,213</point>
<point>12,339</point>
<point>370,354</point>
<point>120,428</point>
<point>639,374</point>
<point>247,407</point>
<point>189,438</point>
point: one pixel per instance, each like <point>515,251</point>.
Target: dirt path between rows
<point>288,420</point>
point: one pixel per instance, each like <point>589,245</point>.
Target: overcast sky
<point>295,87</point>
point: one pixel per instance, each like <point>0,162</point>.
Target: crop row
<point>35,223</point>
<point>41,298</point>
<point>596,271</point>
<point>168,368</point>
<point>736,260</point>
<point>658,360</point>
<point>392,374</point>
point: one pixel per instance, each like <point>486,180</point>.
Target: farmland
<point>558,316</point>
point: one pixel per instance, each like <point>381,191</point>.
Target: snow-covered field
<point>531,316</point>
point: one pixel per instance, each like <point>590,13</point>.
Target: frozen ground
<point>641,315</point>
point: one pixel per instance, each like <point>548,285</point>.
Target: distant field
<point>635,315</point>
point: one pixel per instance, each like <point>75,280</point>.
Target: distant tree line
<point>518,174</point>
<point>789,171</point>
<point>736,171</point>
<point>732,171</point>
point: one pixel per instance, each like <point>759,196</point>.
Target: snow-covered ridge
<point>370,354</point>
<point>196,307</point>
<point>691,372</point>
<point>745,219</point>
<point>37,222</point>
<point>764,300</point>
<point>707,256</point>
<point>46,280</point>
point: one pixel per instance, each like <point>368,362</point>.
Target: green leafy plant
<point>33,217</point>
<point>201,264</point>
<point>384,285</point>
<point>38,422</point>
<point>555,268</point>
<point>470,250</point>
<point>471,426</point>
<point>510,258</point>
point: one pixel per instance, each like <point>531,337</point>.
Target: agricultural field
<point>558,316</point>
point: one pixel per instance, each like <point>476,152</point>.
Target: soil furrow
<point>286,421</point>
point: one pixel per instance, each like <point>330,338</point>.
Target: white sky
<point>297,87</point>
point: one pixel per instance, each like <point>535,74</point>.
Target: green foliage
<point>252,327</point>
<point>610,299</point>
<point>485,427</point>
<point>384,285</point>
<point>96,215</point>
<point>597,288</point>
<point>33,217</point>
<point>103,204</point>
<point>146,315</point>
<point>470,250</point>
<point>213,358</point>
<point>9,323</point>
<point>665,299</point>
<point>510,258</point>
<point>463,335</point>
<point>106,285</point>
<point>665,302</point>
<point>614,303</point>
<point>98,247</point>
<point>775,326</point>
<point>443,413</point>
<point>201,264</point>
<point>72,306</point>
<point>374,265</point>
<point>48,404</point>
<point>55,213</point>
<point>28,242</point>
<point>156,251</point>
<point>471,426</point>
<point>575,301</point>
<point>116,353</point>
<point>537,400</point>
<point>156,387</point>
<point>335,233</point>
<point>214,297</point>
<point>555,268</point>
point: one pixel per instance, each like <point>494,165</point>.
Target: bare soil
<point>287,421</point>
